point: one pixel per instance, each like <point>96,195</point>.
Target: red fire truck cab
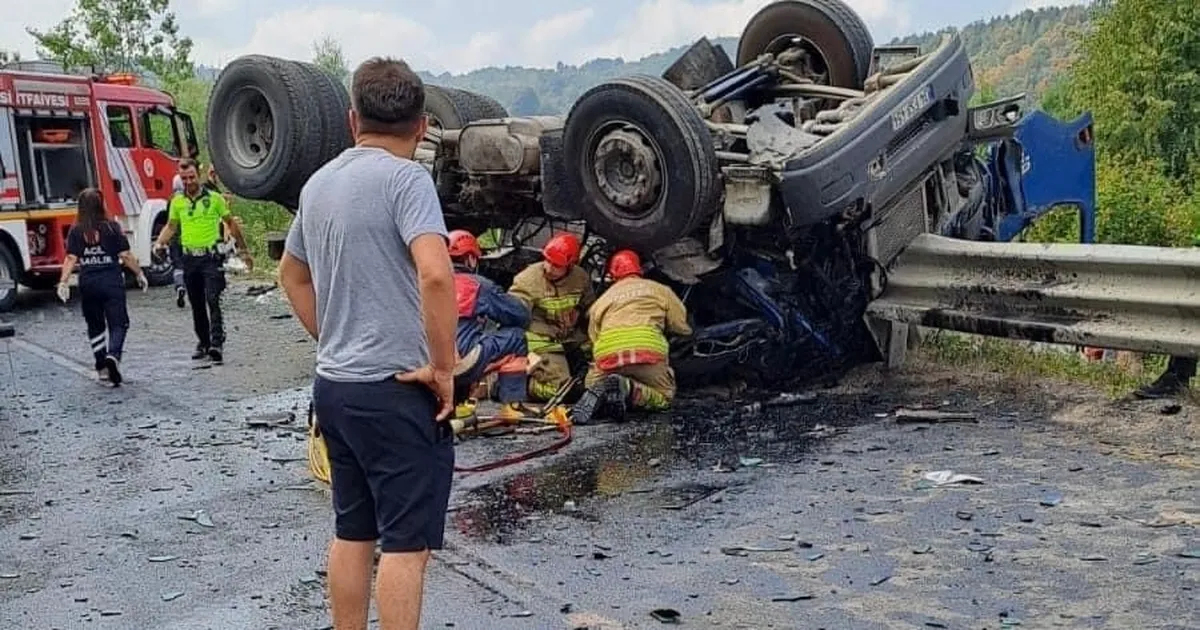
<point>61,133</point>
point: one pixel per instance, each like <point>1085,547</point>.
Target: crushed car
<point>773,191</point>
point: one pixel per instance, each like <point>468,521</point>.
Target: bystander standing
<point>367,272</point>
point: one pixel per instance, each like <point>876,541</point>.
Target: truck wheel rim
<point>251,129</point>
<point>817,64</point>
<point>627,168</point>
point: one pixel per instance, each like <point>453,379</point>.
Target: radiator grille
<point>900,222</point>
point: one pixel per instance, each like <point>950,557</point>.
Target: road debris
<point>271,420</point>
<point>932,416</point>
<point>200,517</point>
<point>941,478</point>
<point>793,597</point>
<point>743,551</point>
<point>1051,499</point>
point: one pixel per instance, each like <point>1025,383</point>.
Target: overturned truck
<point>774,191</point>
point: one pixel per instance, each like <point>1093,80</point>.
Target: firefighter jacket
<point>480,302</point>
<point>628,323</point>
<point>556,307</point>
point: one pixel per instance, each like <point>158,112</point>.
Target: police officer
<point>210,183</point>
<point>197,215</point>
<point>98,247</point>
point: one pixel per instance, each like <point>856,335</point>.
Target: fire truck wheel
<point>264,128</point>
<point>839,43</point>
<point>644,160</point>
<point>10,271</point>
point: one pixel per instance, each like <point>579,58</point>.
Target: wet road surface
<point>157,506</point>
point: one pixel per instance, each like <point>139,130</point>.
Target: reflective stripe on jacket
<point>629,322</point>
<point>555,307</point>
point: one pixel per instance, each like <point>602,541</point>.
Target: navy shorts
<point>391,463</point>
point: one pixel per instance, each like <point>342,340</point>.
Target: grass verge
<point>1115,378</point>
<point>259,218</point>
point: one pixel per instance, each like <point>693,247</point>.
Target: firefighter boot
<point>463,374</point>
<point>617,395</point>
<point>609,393</point>
<point>587,405</point>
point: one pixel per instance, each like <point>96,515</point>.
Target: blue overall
<point>495,321</point>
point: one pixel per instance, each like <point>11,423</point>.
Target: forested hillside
<point>1010,54</point>
<point>1020,53</point>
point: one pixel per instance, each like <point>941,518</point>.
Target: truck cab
<point>61,133</point>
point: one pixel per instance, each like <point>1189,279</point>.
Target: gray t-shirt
<point>358,215</point>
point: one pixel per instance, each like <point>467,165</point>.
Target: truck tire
<point>334,103</point>
<point>264,128</point>
<point>836,32</point>
<point>10,272</point>
<point>452,108</point>
<point>620,140</point>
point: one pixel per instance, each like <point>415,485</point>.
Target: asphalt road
<point>157,505</point>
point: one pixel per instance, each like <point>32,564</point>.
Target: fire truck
<point>62,132</point>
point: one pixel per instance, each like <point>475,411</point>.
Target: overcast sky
<point>460,35</point>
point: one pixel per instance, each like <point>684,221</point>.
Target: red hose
<point>517,458</point>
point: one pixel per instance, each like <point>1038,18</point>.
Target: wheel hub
<point>627,170</point>
<point>252,129</point>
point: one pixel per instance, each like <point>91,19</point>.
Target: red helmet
<point>624,263</point>
<point>562,250</point>
<point>463,243</point>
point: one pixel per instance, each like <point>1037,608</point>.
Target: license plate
<point>913,107</point>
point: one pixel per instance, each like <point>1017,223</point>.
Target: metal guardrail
<point>1125,297</point>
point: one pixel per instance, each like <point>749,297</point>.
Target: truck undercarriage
<point>774,193</point>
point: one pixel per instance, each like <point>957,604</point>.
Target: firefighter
<point>491,328</point>
<point>557,291</point>
<point>98,247</point>
<point>628,327</point>
<point>197,214</point>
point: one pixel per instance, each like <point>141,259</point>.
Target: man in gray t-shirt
<point>366,269</point>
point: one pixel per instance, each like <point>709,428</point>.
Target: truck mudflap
<point>919,122</point>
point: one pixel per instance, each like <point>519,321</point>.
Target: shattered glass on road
<point>182,501</point>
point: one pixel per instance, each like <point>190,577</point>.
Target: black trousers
<point>104,310</point>
<point>1182,367</point>
<point>205,280</point>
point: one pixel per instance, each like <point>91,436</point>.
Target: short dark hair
<point>388,97</point>
<point>187,163</point>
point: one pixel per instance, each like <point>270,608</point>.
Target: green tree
<point>120,36</point>
<point>327,55</point>
<point>1140,76</point>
